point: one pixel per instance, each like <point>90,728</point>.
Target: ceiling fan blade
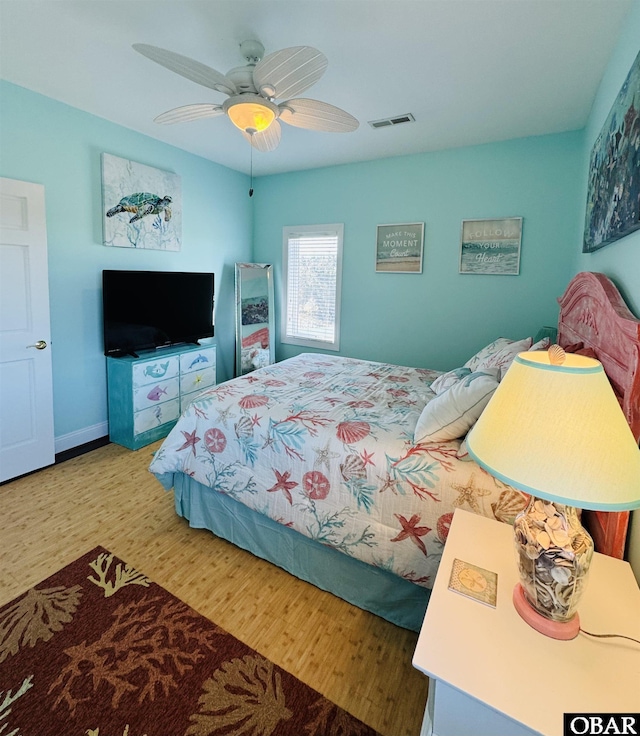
<point>316,115</point>
<point>289,72</point>
<point>266,140</point>
<point>189,68</point>
<point>187,113</point>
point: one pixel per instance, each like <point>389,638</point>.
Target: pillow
<point>454,412</point>
<point>446,380</point>
<point>503,358</point>
<point>486,351</point>
<point>541,344</point>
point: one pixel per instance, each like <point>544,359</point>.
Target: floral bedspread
<point>324,445</point>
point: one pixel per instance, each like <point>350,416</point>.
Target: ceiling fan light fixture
<point>250,113</point>
<point>253,90</point>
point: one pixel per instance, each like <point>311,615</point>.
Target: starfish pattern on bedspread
<point>469,493</point>
<point>190,441</point>
<point>411,530</point>
<point>283,484</point>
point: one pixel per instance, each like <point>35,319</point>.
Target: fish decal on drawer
<point>156,393</point>
<point>199,359</point>
<point>156,370</point>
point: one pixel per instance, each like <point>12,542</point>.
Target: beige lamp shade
<point>558,433</point>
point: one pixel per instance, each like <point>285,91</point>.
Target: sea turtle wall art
<point>142,205</point>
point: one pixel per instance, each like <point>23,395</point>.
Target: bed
<point>346,472</point>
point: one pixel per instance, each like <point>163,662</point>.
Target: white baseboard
<point>81,437</point>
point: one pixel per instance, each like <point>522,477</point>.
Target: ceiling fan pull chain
<point>251,169</point>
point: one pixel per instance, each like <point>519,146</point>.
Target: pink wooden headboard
<point>593,312</point>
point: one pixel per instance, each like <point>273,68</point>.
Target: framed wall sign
<point>613,192</point>
<point>491,246</point>
<point>399,248</point>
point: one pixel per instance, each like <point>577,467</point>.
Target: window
<point>312,273</point>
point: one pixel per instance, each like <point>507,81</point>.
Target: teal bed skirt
<point>370,588</point>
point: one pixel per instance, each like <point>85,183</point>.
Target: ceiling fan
<point>253,89</point>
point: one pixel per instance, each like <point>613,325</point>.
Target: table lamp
<point>554,429</point>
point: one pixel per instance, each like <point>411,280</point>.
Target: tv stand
<point>148,392</point>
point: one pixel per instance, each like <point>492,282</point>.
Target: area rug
<point>98,649</point>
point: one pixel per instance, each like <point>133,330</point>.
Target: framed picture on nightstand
<point>474,582</point>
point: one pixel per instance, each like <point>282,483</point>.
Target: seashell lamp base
<point>553,552</point>
<point>563,630</point>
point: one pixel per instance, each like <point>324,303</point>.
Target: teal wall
<point>50,143</point>
<point>439,317</point>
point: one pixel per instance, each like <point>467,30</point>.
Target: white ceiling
<point>471,71</point>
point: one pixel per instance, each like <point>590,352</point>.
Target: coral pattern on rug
<point>98,649</point>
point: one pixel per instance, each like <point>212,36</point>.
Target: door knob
<point>40,345</point>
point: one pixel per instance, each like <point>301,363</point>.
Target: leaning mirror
<point>254,317</point>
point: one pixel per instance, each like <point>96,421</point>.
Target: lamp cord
<point>610,636</point>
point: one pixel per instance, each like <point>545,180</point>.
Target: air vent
<point>396,120</point>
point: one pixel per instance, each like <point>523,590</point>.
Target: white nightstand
<point>492,675</point>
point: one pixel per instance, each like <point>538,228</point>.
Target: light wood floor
<point>107,497</point>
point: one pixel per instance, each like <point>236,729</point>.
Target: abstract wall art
<point>613,195</point>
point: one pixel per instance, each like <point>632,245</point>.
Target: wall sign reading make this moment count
<point>399,248</point>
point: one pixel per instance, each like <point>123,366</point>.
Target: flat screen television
<point>144,310</point>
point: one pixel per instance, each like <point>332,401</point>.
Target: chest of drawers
<point>147,394</point>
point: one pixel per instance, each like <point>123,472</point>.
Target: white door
<point>26,391</point>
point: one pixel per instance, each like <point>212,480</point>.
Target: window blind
<point>313,263</point>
